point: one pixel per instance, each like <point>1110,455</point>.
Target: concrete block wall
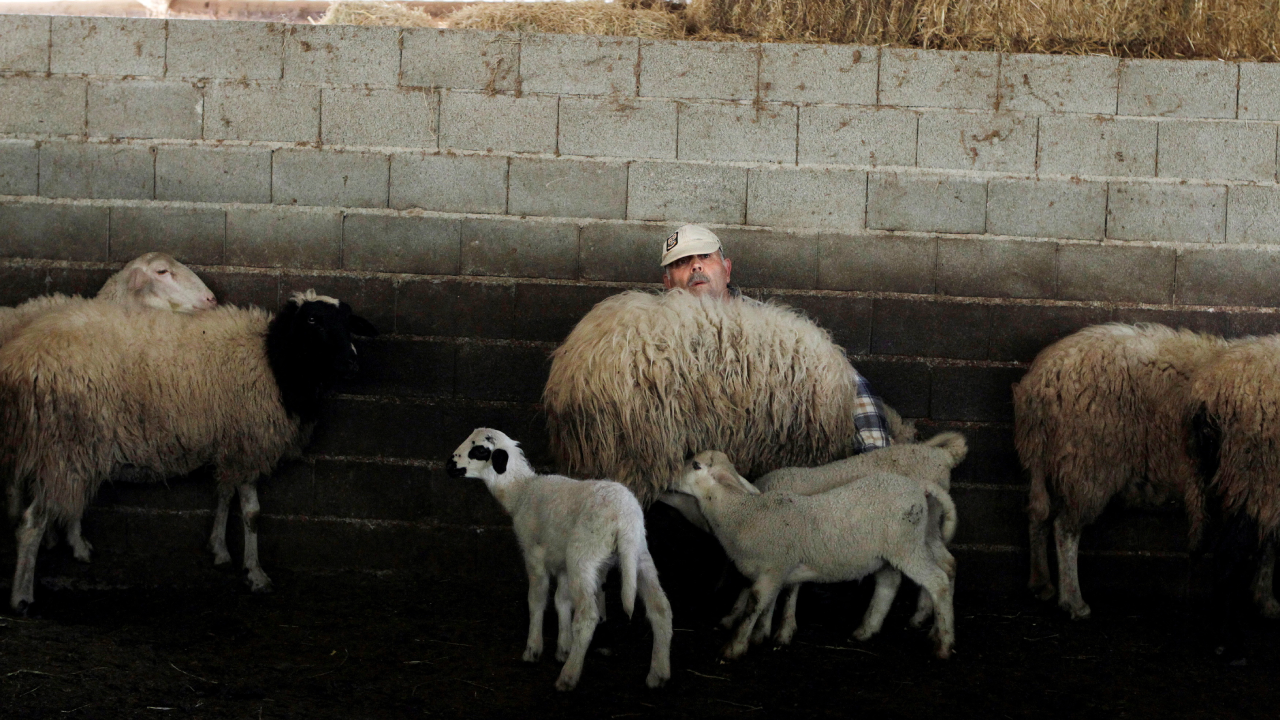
<point>946,215</point>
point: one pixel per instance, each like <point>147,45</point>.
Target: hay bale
<point>374,12</point>
<point>587,18</point>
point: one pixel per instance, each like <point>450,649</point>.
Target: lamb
<point>876,525</point>
<point>575,530</point>
<point>236,388</point>
<point>1100,414</point>
<point>645,380</point>
<point>928,463</point>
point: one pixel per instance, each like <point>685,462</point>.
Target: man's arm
<point>868,417</point>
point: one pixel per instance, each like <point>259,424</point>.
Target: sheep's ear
<point>727,479</point>
<point>745,484</point>
<point>137,279</point>
<point>500,461</point>
<point>357,325</point>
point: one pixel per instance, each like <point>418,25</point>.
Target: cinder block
<point>547,313</point>
<point>903,384</point>
<point>1259,91</point>
<point>618,127</point>
<point>503,123</point>
<point>371,490</point>
<point>1178,88</point>
<point>455,308</point>
<point>19,167</point>
<point>53,231</point>
<point>772,258</point>
<point>145,108</point>
<point>1253,214</point>
<point>687,69</point>
<point>686,192</point>
<point>1229,276</point>
<point>938,78</point>
<point>1097,145</point>
<point>24,43</point>
<point>107,46</point>
<point>877,263</point>
<point>925,202</point>
<point>723,131</point>
<point>345,54</point>
<point>843,74</point>
<point>857,136</point>
<point>45,106</point>
<point>404,117</point>
<point>284,237</point>
<point>1035,83</point>
<point>1116,273</point>
<point>1071,209</point>
<point>931,329</point>
<point>252,287</point>
<point>502,373</point>
<point>1217,150</point>
<point>92,170</point>
<point>847,319</point>
<point>1001,142</point>
<point>1204,321</point>
<point>1173,213</point>
<point>974,394</point>
<point>213,174</point>
<point>423,245</point>
<point>519,248</point>
<point>329,177</point>
<point>579,64</point>
<point>1019,332</point>
<point>449,183</point>
<point>568,188</point>
<point>460,59</point>
<point>233,50</point>
<point>192,235</point>
<point>261,111</point>
<point>806,197</point>
<point>406,367</point>
<point>981,267</point>
<point>22,282</point>
<point>622,252</point>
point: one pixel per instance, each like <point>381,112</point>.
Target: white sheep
<point>876,525</point>
<point>929,462</point>
<point>575,530</point>
<point>165,393</point>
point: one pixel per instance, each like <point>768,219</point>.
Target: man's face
<point>700,274</point>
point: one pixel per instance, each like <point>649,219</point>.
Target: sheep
<point>91,389</point>
<point>929,462</point>
<point>643,380</point>
<point>575,530</point>
<point>1100,414</point>
<point>876,525</point>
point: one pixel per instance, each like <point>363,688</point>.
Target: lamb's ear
<point>357,325</point>
<point>745,484</point>
<point>727,479</point>
<point>137,279</point>
<point>500,461</point>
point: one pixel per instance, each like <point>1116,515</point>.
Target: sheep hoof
<point>863,634</point>
<point>258,581</point>
<point>81,554</point>
<point>783,638</point>
<point>221,558</point>
<point>657,679</point>
<point>944,653</point>
<point>561,655</point>
<point>1043,592</point>
<point>733,651</point>
<point>531,655</point>
<point>565,684</point>
<point>1077,613</point>
<point>22,608</point>
<point>1269,608</point>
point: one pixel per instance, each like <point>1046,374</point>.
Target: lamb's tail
<point>949,518</point>
<point>631,543</point>
<point>953,442</point>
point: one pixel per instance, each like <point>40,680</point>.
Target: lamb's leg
<point>582,587</point>
<point>739,607</point>
<point>29,534</point>
<point>923,569</point>
<point>80,547</point>
<point>564,615</point>
<point>788,628</point>
<point>658,609</point>
<point>254,576</point>
<point>887,581</point>
<point>1040,584</point>
<point>924,603</point>
<point>1264,596</point>
<point>763,594</point>
<point>218,539</point>
<point>764,626</point>
<point>1069,599</point>
<point>539,582</point>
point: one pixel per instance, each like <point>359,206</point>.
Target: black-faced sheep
<point>89,390</point>
<point>1101,414</point>
<point>575,530</point>
<point>878,524</point>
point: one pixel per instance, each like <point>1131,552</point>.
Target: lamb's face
<point>707,470</point>
<point>479,456</point>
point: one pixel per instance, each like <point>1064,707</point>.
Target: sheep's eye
<point>311,321</point>
<point>162,271</point>
<point>697,465</point>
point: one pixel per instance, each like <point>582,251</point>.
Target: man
<point>693,259</point>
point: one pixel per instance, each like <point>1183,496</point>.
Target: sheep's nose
<point>452,470</point>
<point>212,301</point>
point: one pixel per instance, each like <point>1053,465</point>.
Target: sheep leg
<point>739,607</point>
<point>1233,558</point>
<point>887,581</point>
<point>539,582</point>
<point>218,539</point>
<point>80,548</point>
<point>255,577</point>
<point>582,588</point>
<point>788,628</point>
<point>1069,599</point>
<point>1040,583</point>
<point>658,609</point>
<point>30,532</point>
<point>763,594</point>
<point>925,571</point>
<point>1263,592</point>
<point>764,626</point>
<point>924,603</point>
<point>564,615</point>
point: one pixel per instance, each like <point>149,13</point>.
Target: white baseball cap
<point>689,240</point>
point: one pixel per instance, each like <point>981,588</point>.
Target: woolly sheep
<point>575,530</point>
<point>876,525</point>
<point>644,380</point>
<point>236,388</point>
<point>1101,414</point>
<point>929,462</point>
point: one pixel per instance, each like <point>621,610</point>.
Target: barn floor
<point>352,645</point>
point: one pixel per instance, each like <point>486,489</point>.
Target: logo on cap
<point>673,240</point>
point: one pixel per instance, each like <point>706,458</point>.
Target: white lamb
<point>876,525</point>
<point>575,530</point>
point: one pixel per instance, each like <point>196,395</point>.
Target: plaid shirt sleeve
<point>868,417</point>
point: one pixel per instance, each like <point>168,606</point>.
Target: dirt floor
<point>353,645</point>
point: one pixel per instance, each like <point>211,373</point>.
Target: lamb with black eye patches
<point>575,530</point>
